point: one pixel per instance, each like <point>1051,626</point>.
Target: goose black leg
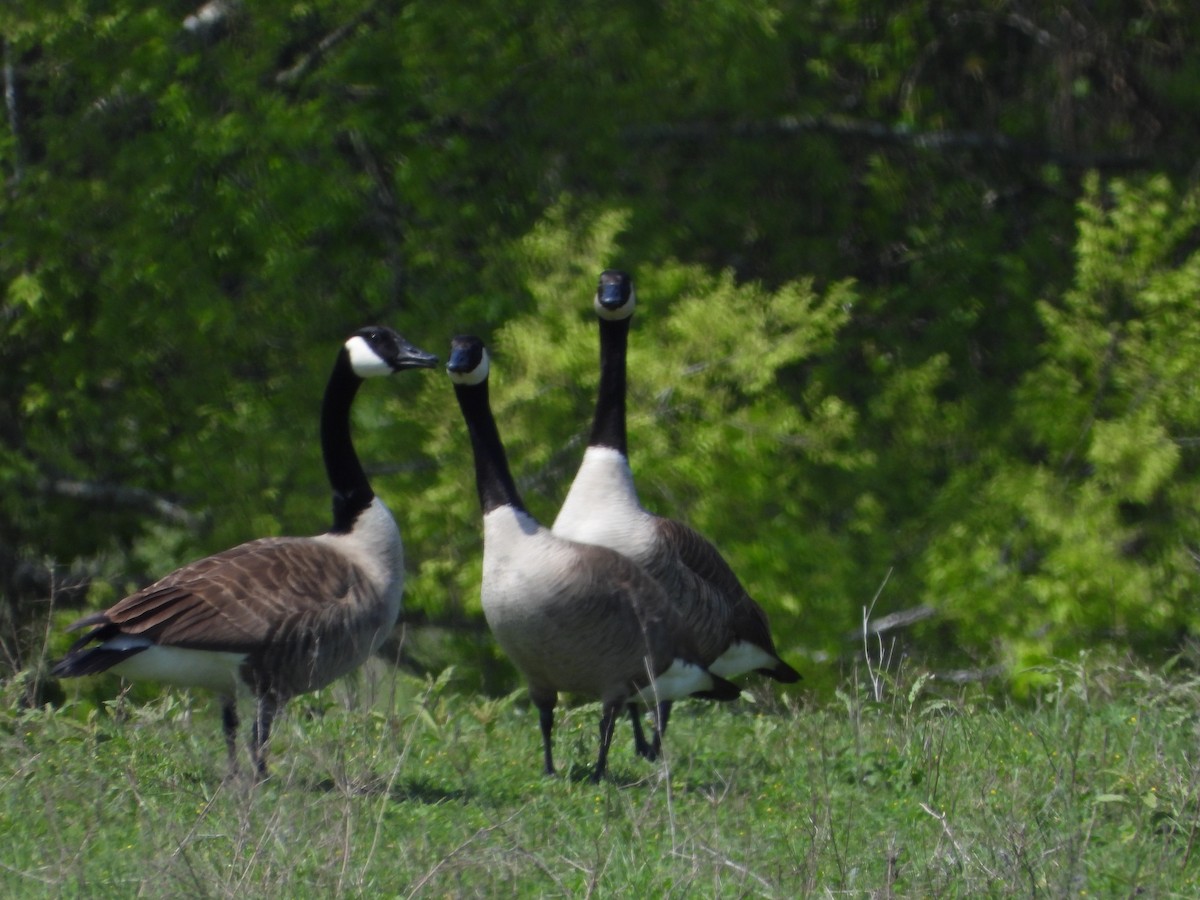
<point>268,705</point>
<point>660,726</point>
<point>546,720</point>
<point>643,748</point>
<point>608,721</point>
<point>229,724</point>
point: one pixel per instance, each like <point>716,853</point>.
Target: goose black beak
<point>413,357</point>
<point>613,292</point>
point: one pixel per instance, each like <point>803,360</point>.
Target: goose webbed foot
<point>641,746</point>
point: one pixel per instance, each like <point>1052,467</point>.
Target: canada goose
<point>572,617</point>
<point>279,616</point>
<point>602,507</point>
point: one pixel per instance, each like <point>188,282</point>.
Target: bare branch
<point>901,619</point>
<point>97,492</point>
<point>309,60</point>
<point>880,133</point>
<point>211,21</point>
<point>13,112</point>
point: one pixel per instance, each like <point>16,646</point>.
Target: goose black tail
<point>89,658</point>
<point>722,689</point>
<point>782,673</point>
<point>91,661</point>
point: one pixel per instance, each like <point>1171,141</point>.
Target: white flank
<point>680,680</point>
<point>741,657</point>
<point>213,669</point>
<point>365,362</point>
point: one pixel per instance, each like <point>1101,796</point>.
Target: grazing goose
<point>572,617</point>
<point>602,507</point>
<point>278,616</point>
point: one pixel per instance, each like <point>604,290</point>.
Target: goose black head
<point>378,350</point>
<point>615,298</point>
<point>469,363</point>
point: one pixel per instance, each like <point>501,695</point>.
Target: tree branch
<point>309,61</point>
<point>902,619</point>
<point>211,21</point>
<point>97,492</point>
<point>13,111</point>
<point>880,133</point>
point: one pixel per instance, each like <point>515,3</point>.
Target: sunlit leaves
<point>1079,541</point>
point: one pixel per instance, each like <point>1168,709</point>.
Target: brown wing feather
<point>236,600</point>
<point>705,561</point>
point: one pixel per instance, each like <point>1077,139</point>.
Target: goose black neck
<point>608,425</point>
<point>351,491</point>
<point>493,479</point>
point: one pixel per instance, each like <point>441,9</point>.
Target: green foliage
<point>865,345</point>
<point>1082,530</point>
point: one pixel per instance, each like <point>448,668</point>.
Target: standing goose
<point>572,617</point>
<point>278,616</point>
<point>602,507</point>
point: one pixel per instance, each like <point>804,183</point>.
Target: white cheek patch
<point>477,375</point>
<point>365,362</point>
<point>624,311</point>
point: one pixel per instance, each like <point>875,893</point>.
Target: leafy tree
<point>1082,529</point>
<point>200,199</point>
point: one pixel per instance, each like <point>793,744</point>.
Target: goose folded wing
<point>236,600</point>
<point>706,562</point>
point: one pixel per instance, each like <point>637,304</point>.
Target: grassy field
<point>389,786</point>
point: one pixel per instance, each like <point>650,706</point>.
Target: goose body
<point>574,618</point>
<point>274,617</point>
<point>602,507</point>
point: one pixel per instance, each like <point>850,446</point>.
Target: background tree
<point>911,371</point>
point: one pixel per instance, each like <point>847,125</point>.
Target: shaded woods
<point>916,286</point>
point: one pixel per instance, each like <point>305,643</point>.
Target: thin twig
<point>876,677</point>
<point>445,860</point>
<point>728,863</point>
<point>310,60</point>
<point>879,133</point>
<point>958,848</point>
<point>120,495</point>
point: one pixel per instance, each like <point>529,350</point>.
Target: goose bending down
<point>279,616</point>
<point>602,507</point>
<point>572,617</point>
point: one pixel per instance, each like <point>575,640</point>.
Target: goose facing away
<point>280,616</point>
<point>602,507</point>
<point>573,618</point>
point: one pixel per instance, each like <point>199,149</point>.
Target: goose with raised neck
<point>573,618</point>
<point>279,616</point>
<point>602,507</point>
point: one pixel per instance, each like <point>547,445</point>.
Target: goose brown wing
<point>625,607</point>
<point>707,563</point>
<point>234,600</point>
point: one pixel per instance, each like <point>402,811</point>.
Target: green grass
<point>389,786</point>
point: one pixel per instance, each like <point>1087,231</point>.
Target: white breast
<point>602,506</point>
<point>374,546</point>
